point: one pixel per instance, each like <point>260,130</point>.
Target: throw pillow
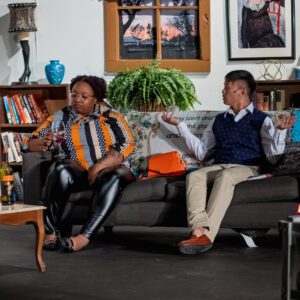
<point>289,162</point>
<point>295,133</point>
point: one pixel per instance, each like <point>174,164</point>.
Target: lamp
<point>22,22</point>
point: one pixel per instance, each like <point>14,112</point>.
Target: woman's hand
<point>111,159</point>
<point>41,144</point>
<point>93,172</point>
<point>286,123</point>
<point>48,139</point>
<point>168,118</point>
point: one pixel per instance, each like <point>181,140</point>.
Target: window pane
<point>179,34</point>
<point>137,34</point>
<point>179,2</point>
<point>136,2</point>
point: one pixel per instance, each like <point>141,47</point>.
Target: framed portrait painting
<point>260,29</point>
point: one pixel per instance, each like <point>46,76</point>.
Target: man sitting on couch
<point>241,138</point>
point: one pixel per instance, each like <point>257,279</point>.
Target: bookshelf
<point>41,92</point>
<point>290,87</point>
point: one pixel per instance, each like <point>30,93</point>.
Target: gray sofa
<point>257,204</point>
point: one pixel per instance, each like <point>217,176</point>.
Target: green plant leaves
<point>148,87</point>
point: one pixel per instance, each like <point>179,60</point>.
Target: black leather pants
<point>109,184</point>
<point>63,178</point>
<point>66,177</point>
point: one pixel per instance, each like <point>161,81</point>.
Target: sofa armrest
<point>34,172</point>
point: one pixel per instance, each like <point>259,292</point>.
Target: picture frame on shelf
<point>260,30</point>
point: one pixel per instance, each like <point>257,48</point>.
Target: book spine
<point>29,121</point>
<point>5,141</point>
<point>12,145</point>
<point>20,109</point>
<point>15,110</point>
<point>11,111</point>
<point>36,109</point>
<point>17,145</point>
<point>19,140</point>
<point>32,109</point>
<point>6,107</point>
<point>29,109</point>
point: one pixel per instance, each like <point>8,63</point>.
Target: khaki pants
<point>224,178</point>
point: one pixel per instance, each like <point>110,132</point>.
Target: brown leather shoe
<point>195,245</point>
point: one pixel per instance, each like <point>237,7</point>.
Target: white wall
<point>72,31</point>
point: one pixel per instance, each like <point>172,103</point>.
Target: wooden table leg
<point>20,216</point>
<point>40,235</point>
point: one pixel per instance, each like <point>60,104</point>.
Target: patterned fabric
<point>22,17</point>
<point>289,162</point>
<point>88,139</point>
<point>239,142</point>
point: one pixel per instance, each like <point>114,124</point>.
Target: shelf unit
<point>290,87</point>
<point>41,93</point>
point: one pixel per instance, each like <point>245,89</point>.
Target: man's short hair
<point>246,77</point>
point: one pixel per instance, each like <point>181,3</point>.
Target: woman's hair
<point>96,83</point>
<point>244,76</point>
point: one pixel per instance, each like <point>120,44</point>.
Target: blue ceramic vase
<point>55,72</point>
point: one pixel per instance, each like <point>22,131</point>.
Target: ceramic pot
<point>55,72</point>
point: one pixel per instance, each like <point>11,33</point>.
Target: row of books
<point>270,101</point>
<point>22,109</point>
<point>13,142</point>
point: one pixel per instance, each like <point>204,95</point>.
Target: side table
<point>17,214</point>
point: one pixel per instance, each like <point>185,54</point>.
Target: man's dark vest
<point>239,142</point>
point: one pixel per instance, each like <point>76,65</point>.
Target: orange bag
<point>164,164</point>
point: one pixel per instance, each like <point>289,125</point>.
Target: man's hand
<point>286,122</point>
<point>168,118</point>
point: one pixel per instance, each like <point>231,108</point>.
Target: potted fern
<point>151,89</point>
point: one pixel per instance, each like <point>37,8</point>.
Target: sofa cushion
<point>176,192</point>
<point>150,214</point>
<point>145,190</point>
<point>281,188</point>
<point>153,189</point>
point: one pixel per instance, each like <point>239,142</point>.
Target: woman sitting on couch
<point>96,145</point>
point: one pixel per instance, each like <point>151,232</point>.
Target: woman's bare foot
<point>79,242</point>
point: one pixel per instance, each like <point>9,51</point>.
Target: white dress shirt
<point>272,139</point>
